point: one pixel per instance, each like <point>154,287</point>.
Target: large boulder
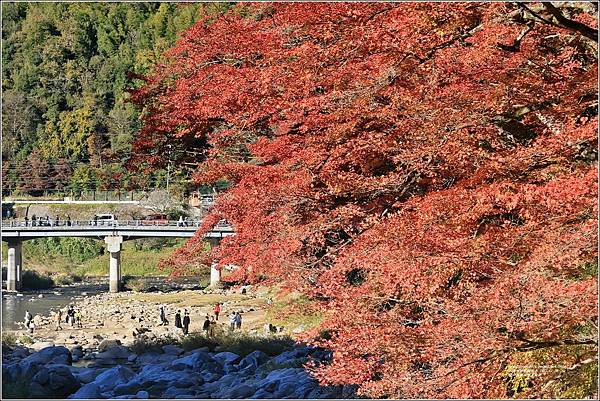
<point>253,360</point>
<point>111,378</point>
<point>53,380</point>
<point>89,391</point>
<point>86,375</point>
<point>29,366</point>
<point>290,355</point>
<point>242,391</point>
<point>226,357</point>
<point>192,361</point>
<point>114,352</point>
<point>172,349</point>
<point>106,344</point>
<point>158,373</point>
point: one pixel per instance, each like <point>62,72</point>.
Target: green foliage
<point>65,84</point>
<point>33,280</point>
<point>136,284</point>
<point>294,363</point>
<point>74,249</point>
<point>238,343</point>
<point>144,344</point>
<point>9,339</point>
<point>587,270</point>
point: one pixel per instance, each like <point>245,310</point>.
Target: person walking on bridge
<point>186,322</point>
<point>68,220</point>
<point>178,319</point>
<point>33,220</point>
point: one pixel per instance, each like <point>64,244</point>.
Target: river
<point>15,305</point>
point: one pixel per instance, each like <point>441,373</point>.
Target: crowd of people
<point>46,221</point>
<point>73,319</point>
<point>210,322</point>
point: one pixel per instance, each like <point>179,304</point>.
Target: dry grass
<point>195,299</point>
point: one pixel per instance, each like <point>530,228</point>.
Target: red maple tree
<point>426,172</point>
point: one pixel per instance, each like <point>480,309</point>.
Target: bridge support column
<point>215,276</point>
<point>13,273</point>
<point>113,246</point>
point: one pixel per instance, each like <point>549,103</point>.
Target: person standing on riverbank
<point>178,319</point>
<point>206,325</point>
<point>186,322</point>
<point>78,318</point>
<point>71,315</point>
<point>212,326</point>
<point>217,310</point>
<point>238,320</point>
<point>28,318</point>
<point>163,318</point>
<point>232,321</point>
<point>57,319</point>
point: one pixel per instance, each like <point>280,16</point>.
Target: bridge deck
<point>129,229</point>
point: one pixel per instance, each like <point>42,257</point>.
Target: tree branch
<point>576,26</point>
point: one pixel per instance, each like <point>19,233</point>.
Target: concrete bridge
<point>14,232</point>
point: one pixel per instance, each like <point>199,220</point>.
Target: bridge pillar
<point>113,246</point>
<point>15,259</point>
<point>215,276</point>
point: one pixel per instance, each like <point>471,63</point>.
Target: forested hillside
<point>67,123</point>
<point>425,172</point>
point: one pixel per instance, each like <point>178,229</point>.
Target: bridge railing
<point>110,223</point>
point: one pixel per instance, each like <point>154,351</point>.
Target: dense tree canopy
<point>424,171</point>
<point>65,75</point>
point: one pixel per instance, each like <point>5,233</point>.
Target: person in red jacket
<point>217,310</point>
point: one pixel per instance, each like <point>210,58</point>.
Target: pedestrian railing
<point>91,224</point>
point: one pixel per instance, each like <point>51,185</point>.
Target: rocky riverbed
<point>122,351</point>
<point>168,373</point>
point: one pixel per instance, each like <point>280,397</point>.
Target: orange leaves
<point>434,190</point>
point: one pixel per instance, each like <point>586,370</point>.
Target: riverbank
<point>122,343</point>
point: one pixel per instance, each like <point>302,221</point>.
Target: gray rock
<point>193,361</point>
<point>20,352</point>
<point>89,391</point>
<point>227,357</point>
<point>142,395</point>
<point>172,349</point>
<point>148,358</point>
<point>114,352</point>
<point>127,388</point>
<point>262,394</point>
<point>158,374</point>
<point>87,375</point>
<point>106,344</point>
<point>56,380</point>
<point>253,360</point>
<point>110,378</point>
<point>174,392</point>
<point>242,391</point>
<point>29,366</point>
<point>293,354</point>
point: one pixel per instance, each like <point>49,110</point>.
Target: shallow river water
<point>15,305</point>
